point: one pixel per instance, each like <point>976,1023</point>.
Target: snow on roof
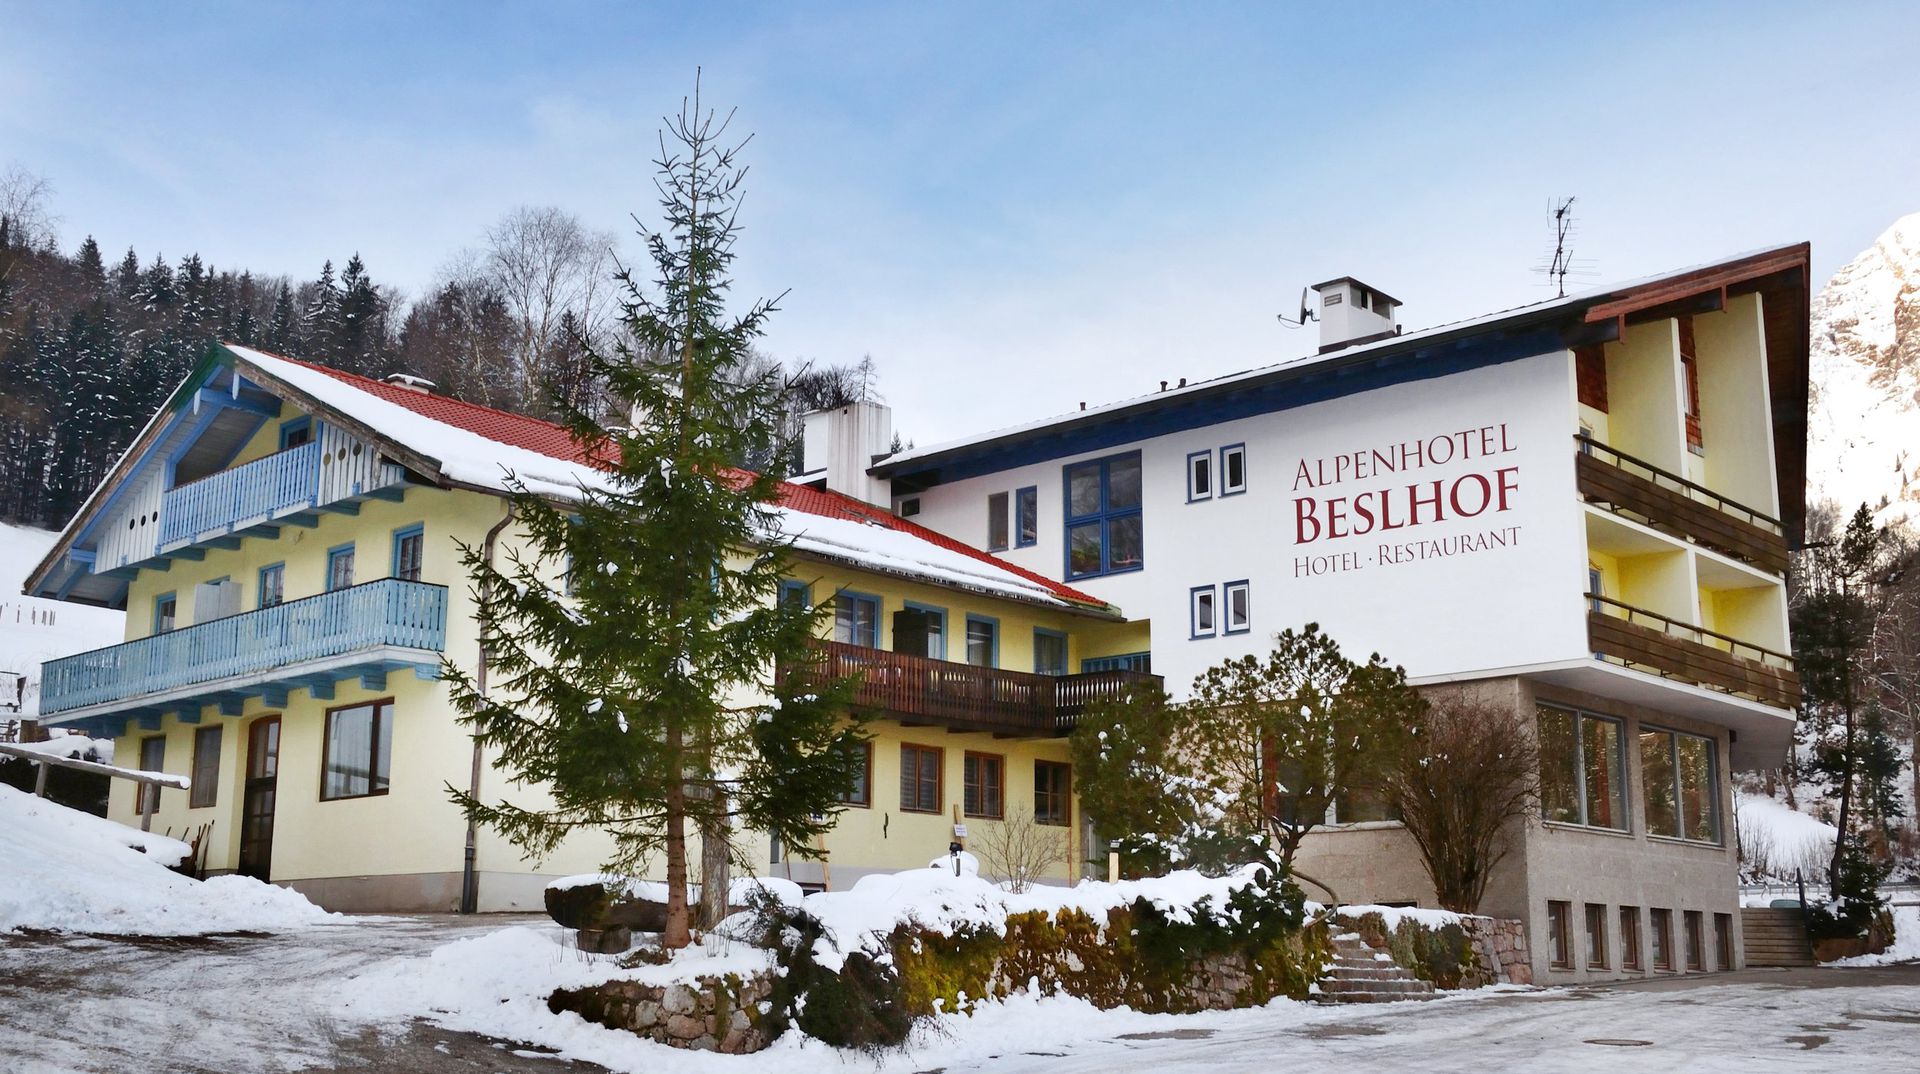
<point>895,462</point>
<point>489,449</point>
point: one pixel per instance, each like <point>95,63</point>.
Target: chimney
<point>845,441</point>
<point>1351,312</point>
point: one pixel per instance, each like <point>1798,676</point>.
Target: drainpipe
<point>469,873</point>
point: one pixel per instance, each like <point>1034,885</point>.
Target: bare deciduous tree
<point>1021,849</point>
<point>26,203</point>
<point>1470,776</point>
<point>556,277</point>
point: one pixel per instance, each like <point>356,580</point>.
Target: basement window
<point>1559,935</point>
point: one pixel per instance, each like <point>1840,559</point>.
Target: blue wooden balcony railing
<point>386,613</point>
<point>257,490</point>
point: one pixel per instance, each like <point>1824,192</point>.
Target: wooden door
<point>256,812</point>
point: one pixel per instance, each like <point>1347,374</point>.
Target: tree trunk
<point>676,934</point>
<point>1846,793</point>
<point>715,867</point>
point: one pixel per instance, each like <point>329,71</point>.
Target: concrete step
<point>1408,986</point>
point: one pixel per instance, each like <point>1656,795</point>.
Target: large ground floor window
<point>358,750</point>
<point>1680,773</point>
<point>1583,771</point>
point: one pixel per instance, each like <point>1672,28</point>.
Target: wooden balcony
<point>1646,640</point>
<point>360,632</point>
<point>918,690</point>
<point>1672,504</point>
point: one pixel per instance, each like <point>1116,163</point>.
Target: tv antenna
<point>1306,313</point>
<point>1563,264</point>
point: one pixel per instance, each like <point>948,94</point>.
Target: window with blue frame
<point>1140,662</point>
<point>1238,618</point>
<point>1026,517</point>
<point>166,613</point>
<point>1233,469</point>
<point>273,585</point>
<point>856,619</point>
<point>983,641</point>
<point>339,567</point>
<point>920,629</point>
<point>1103,522</point>
<point>796,594</point>
<point>997,522</point>
<point>296,432</point>
<point>1049,652</point>
<point>409,545</point>
<point>1204,603</point>
<point>1200,476</point>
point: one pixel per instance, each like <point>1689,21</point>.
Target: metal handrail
<point>1676,628</point>
<point>1694,490</point>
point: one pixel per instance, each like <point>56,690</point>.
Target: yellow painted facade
<point>406,846</point>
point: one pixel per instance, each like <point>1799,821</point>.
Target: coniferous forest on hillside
<point>92,342</point>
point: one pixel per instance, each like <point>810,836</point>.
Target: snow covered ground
<point>74,872</point>
<point>284,1002</point>
<point>33,630</point>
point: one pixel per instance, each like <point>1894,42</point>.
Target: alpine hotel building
<point>1579,510</point>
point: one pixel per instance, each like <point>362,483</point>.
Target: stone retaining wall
<point>715,1014</point>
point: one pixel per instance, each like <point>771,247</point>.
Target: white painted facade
<point>1448,616</point>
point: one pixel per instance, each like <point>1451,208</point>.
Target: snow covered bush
<point>855,973</point>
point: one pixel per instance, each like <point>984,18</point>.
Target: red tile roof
<point>518,430</point>
<point>548,438</point>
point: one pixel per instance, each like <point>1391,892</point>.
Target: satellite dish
<point>1306,313</point>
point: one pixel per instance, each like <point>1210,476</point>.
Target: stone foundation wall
<point>1502,943</point>
<point>714,1014</point>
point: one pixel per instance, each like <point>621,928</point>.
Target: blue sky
<point>1012,208</point>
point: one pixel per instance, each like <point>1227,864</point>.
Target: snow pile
<point>1776,839</point>
<point>1393,915</point>
<point>1906,941</point>
<point>76,747</point>
<point>34,630</point>
<point>69,871</point>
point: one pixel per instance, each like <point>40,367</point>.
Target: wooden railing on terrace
<point>255,491</point>
<point>919,689</point>
<point>1670,503</point>
<point>1668,647</point>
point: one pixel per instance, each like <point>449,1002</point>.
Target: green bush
<point>1853,913</point>
<point>1443,956</point>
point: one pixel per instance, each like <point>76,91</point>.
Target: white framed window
<point>1203,601</point>
<point>1239,611</point>
<point>997,522</point>
<point>1233,469</point>
<point>1200,476</point>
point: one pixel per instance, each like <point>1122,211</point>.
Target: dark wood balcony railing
<point>919,689</point>
<point>1672,504</point>
<point>1648,640</point>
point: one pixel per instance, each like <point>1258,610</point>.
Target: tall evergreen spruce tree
<point>642,701</point>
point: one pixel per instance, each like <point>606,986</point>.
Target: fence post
<point>40,780</point>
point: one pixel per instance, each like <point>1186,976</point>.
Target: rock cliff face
<point>1864,425</point>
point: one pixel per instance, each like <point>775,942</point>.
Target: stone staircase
<point>1775,937</point>
<point>1363,973</point>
